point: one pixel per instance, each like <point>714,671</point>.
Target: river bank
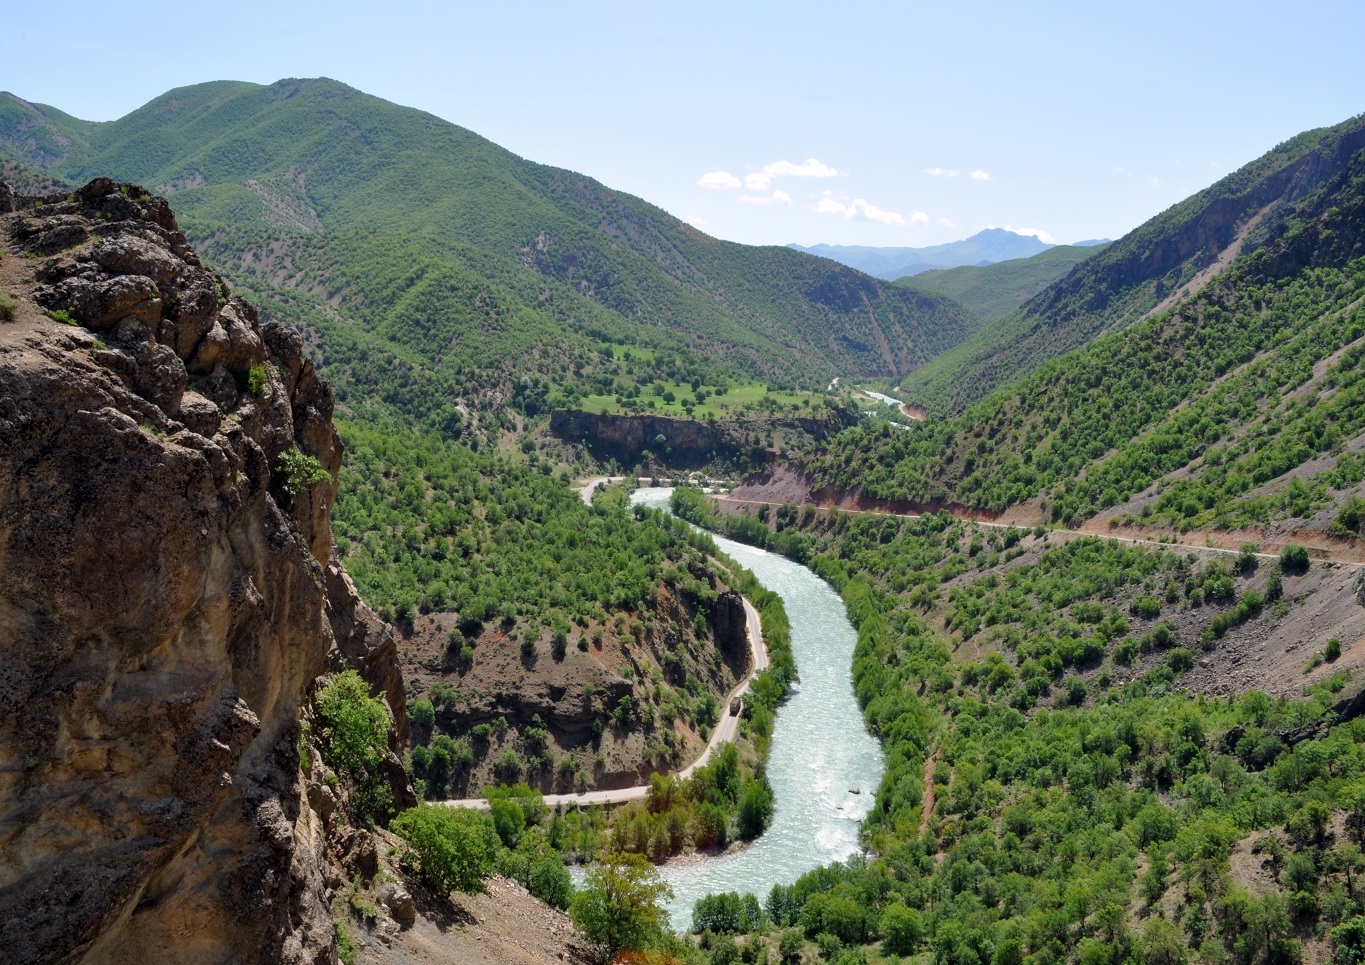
<point>820,748</point>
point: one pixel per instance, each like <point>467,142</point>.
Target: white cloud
<point>718,180</point>
<point>1215,165</point>
<point>1156,182</point>
<point>919,217</point>
<point>942,172</point>
<point>777,197</point>
<point>859,210</point>
<point>810,168</point>
<point>696,222</point>
<point>1123,172</point>
<point>980,176</point>
<point>947,222</point>
<point>1038,233</point>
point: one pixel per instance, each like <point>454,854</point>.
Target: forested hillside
<point>418,253</point>
<point>1154,267</point>
<point>991,292</point>
<point>1070,776</point>
<point>1241,405</point>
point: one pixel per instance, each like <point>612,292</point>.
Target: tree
<point>1294,558</point>
<point>791,944</point>
<point>1348,940</point>
<point>448,847</point>
<point>755,809</point>
<point>618,906</point>
<point>902,930</point>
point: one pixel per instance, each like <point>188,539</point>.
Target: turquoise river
<point>821,750</point>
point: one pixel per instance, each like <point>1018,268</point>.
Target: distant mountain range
<point>983,248</point>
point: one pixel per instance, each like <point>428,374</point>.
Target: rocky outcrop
<point>167,599</point>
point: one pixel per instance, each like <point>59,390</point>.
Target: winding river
<point>820,749</point>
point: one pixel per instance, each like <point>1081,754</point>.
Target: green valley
<point>991,292</point>
<point>1106,576</point>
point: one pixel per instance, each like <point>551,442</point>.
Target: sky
<point>853,123</point>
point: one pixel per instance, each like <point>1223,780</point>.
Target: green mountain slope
<point>1170,257</point>
<point>391,234</point>
<point>991,292</point>
<point>1242,405</point>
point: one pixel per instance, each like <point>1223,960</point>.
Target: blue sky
<point>846,123</point>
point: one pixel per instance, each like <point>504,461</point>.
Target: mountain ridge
<point>303,180</point>
<point>1170,256</point>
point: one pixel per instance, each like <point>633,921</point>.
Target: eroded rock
<point>165,607</point>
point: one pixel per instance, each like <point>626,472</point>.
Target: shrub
<point>1348,523</point>
<point>448,847</point>
<point>1333,649</point>
<point>256,379</point>
<point>422,714</point>
<point>1146,607</point>
<point>355,735</point>
<point>297,471</point>
<point>8,309</point>
<point>507,768</point>
<point>1294,558</point>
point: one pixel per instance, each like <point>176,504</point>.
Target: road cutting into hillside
<point>725,731</point>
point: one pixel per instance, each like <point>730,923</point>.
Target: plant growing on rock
<point>355,734</point>
<point>297,471</point>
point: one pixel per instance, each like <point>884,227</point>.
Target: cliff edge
<point>168,598</point>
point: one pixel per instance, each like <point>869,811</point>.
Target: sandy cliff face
<point>167,598</point>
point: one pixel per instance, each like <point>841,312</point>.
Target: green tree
<point>618,906</point>
<point>902,930</point>
<point>1348,942</point>
<point>355,735</point>
<point>448,847</point>
<point>1294,558</point>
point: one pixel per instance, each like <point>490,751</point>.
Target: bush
<point>1332,650</point>
<point>297,471</point>
<point>1146,607</point>
<point>507,768</point>
<point>355,736</point>
<point>8,309</point>
<point>448,847</point>
<point>256,379</point>
<point>1294,559</point>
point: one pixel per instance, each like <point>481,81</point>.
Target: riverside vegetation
<point>1050,792</point>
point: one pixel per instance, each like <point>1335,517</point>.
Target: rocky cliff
<point>168,599</point>
<point>685,443</point>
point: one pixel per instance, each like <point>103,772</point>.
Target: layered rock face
<point>167,599</point>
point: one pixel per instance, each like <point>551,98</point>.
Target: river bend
<point>820,749</point>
